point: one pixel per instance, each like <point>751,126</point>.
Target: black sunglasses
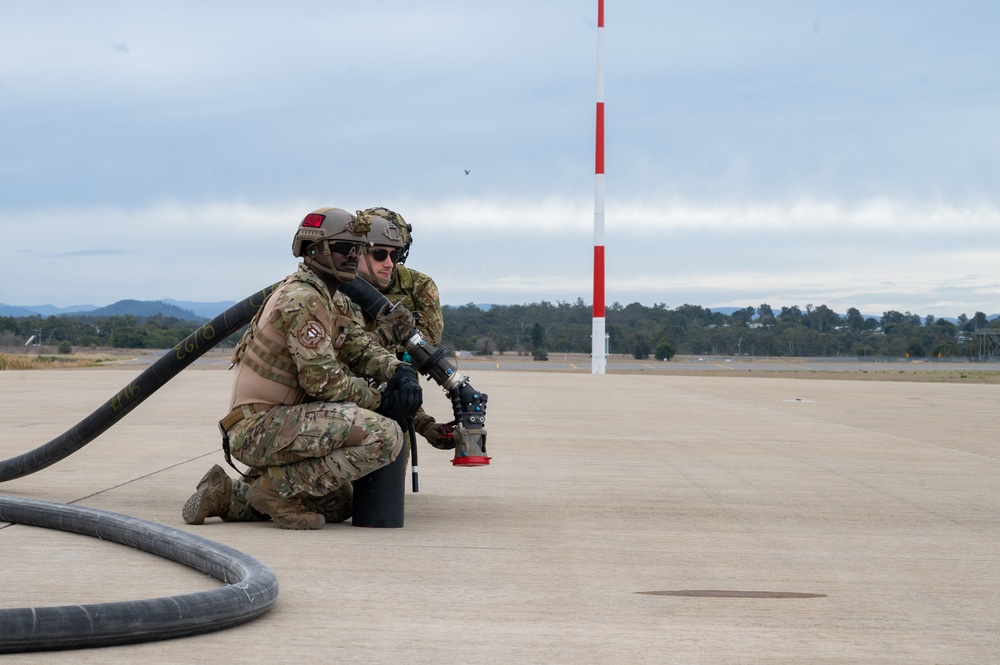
<point>345,247</point>
<point>380,254</point>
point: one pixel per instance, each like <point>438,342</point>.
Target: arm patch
<point>310,334</point>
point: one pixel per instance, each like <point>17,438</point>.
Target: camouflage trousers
<point>313,451</point>
<point>335,507</point>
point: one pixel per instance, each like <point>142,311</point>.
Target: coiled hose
<point>252,587</point>
<point>251,590</point>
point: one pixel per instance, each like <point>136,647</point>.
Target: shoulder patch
<point>310,334</point>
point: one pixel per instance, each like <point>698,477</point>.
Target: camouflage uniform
<point>418,293</point>
<point>320,433</point>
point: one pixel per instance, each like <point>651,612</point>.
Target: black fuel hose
<point>369,299</point>
<point>152,379</point>
<point>251,587</point>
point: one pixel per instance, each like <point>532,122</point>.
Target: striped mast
<point>597,351</point>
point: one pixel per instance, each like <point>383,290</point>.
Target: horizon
<point>725,309</point>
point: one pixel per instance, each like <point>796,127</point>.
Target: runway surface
<point>626,518</point>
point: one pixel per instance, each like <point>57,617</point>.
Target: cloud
<point>879,254</point>
<point>876,216</point>
<point>750,155</point>
<point>91,252</point>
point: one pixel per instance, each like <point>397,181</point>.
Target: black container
<point>379,496</point>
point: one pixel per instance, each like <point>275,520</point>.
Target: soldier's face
<point>377,272</point>
<point>345,262</point>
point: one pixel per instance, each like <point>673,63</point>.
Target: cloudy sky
<point>792,153</point>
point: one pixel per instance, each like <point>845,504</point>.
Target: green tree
<point>854,319</point>
<point>665,351</point>
<point>915,349</point>
<point>742,317</point>
<point>538,350</point>
<point>641,346</point>
<point>790,315</point>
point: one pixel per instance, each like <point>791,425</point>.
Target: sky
<point>840,153</point>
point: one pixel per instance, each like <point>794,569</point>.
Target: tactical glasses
<point>380,254</point>
<point>346,247</point>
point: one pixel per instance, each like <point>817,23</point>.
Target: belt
<point>241,413</point>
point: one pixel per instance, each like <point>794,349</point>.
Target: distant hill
<point>12,310</point>
<point>208,310</point>
<point>138,308</point>
<point>184,310</point>
<point>145,309</point>
<point>43,310</point>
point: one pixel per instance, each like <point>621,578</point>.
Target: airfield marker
<point>597,350</point>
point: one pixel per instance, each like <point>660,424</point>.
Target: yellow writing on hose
<point>194,341</point>
<point>125,395</point>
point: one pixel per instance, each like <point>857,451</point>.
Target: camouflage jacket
<point>420,295</point>
<point>304,337</point>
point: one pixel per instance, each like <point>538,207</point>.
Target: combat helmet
<point>384,233</point>
<point>384,227</point>
<point>405,230</point>
<point>323,228</point>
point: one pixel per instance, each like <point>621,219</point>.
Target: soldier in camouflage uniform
<point>382,266</point>
<point>300,415</point>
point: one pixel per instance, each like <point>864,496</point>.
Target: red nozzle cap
<point>472,460</point>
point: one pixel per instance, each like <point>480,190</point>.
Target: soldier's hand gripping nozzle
<point>468,404</point>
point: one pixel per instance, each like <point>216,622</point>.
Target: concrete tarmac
<point>625,518</point>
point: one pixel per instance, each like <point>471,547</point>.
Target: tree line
<point>543,327</point>
<point>660,332</point>
<point>80,330</point>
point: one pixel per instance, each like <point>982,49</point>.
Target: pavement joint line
<point>142,477</point>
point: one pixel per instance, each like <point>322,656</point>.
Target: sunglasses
<point>380,254</point>
<point>345,247</point>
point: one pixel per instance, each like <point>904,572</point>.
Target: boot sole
<point>212,484</point>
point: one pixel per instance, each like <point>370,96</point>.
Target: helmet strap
<point>371,273</point>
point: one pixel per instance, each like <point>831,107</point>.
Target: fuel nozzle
<point>469,406</point>
<point>432,361</point>
<point>467,403</point>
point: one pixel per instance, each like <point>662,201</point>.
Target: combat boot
<point>211,497</point>
<point>286,513</point>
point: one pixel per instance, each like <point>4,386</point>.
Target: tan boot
<point>286,513</point>
<point>211,497</point>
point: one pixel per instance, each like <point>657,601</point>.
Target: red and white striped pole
<point>598,355</point>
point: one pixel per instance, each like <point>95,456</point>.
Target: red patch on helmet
<point>313,220</point>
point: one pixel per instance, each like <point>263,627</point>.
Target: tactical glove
<point>401,397</point>
<point>393,326</point>
<point>441,435</point>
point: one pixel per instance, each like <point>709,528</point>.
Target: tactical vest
<point>270,357</point>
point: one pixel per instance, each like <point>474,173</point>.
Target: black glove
<point>402,396</point>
